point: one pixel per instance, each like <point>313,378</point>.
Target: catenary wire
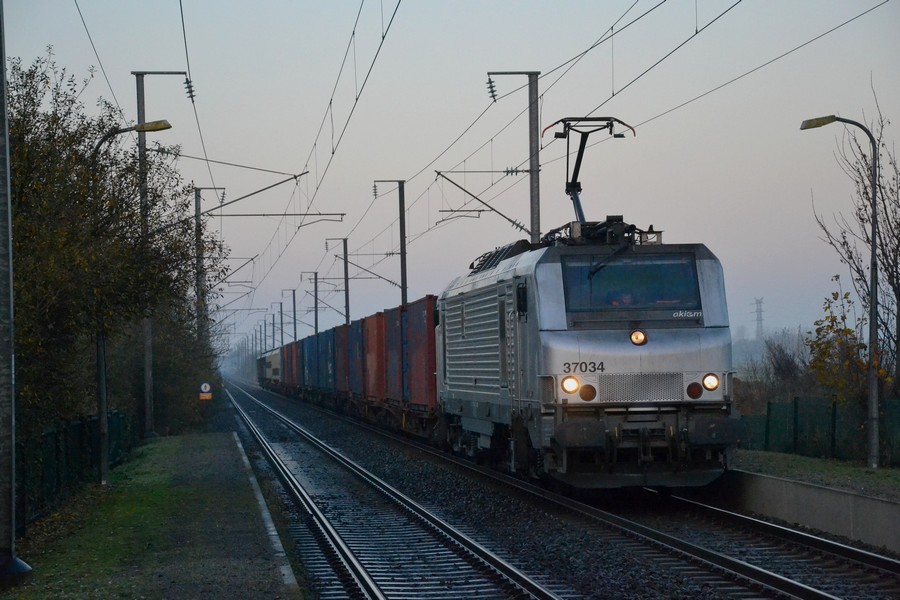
<point>664,113</point>
<point>99,62</point>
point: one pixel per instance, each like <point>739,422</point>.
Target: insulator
<point>375,190</point>
<point>189,88</point>
<point>491,89</point>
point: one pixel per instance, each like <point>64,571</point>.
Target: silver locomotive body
<point>601,359</point>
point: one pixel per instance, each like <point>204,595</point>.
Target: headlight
<point>710,381</point>
<point>570,384</point>
<point>638,337</point>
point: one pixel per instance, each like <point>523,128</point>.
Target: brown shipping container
<point>290,364</point>
<point>375,357</point>
<point>421,352</point>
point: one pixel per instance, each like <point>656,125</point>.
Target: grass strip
<point>98,545</point>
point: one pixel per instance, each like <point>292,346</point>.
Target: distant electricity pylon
<point>759,318</point>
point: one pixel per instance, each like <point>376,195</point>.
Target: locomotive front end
<point>636,382</point>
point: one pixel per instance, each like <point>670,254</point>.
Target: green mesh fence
<point>890,442</point>
<point>64,457</point>
<point>823,428</point>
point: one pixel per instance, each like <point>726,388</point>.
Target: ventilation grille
<point>636,387</point>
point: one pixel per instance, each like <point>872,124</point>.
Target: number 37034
<point>583,367</point>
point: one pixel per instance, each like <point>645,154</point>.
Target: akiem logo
<point>687,314</point>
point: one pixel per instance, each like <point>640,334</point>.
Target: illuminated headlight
<point>638,337</point>
<point>710,381</point>
<point>570,384</point>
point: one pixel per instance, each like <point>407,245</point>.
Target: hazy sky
<point>730,169</point>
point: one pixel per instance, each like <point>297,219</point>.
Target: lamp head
<point>153,126</point>
<point>817,122</point>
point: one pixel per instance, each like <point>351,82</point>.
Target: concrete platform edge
<point>869,520</point>
<point>284,566</point>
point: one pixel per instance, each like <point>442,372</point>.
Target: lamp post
<point>142,167</point>
<point>102,404</point>
<point>873,286</point>
<point>12,568</point>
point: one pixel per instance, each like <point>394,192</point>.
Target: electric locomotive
<point>600,357</point>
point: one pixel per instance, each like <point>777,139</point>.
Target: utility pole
<point>12,568</point>
<point>315,275</point>
<point>534,135</point>
<point>142,171</point>
<point>346,280</point>
<point>316,301</point>
<point>294,312</point>
<point>400,183</point>
<point>200,285</point>
<point>346,287</point>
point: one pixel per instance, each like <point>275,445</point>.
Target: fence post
<point>796,422</point>
<point>833,426</point>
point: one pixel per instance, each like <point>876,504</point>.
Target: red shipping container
<point>421,354</point>
<point>375,357</point>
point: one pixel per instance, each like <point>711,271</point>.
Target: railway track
<point>374,541</point>
<point>729,558</point>
<point>819,563</point>
<point>754,553</point>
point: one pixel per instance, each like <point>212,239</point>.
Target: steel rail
<point>354,567</point>
<point>506,570</point>
<point>714,560</point>
<point>869,559</point>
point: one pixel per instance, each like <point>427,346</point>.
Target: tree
<point>837,356</point>
<point>777,371</point>
<point>81,265</point>
<point>851,238</point>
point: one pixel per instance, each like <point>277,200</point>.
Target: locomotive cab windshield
<point>659,288</point>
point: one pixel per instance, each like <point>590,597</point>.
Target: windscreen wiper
<point>606,261</point>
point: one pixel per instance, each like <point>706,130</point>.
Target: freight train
<point>599,357</point>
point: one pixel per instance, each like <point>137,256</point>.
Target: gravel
<point>593,563</point>
<point>574,551</point>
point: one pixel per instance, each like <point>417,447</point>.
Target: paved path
<point>225,545</point>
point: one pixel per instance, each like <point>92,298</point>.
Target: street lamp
<point>873,286</point>
<point>160,125</point>
<point>102,403</point>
